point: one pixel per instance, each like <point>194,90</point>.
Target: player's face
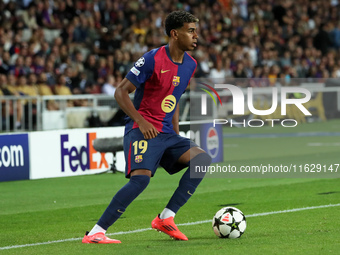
<point>187,36</point>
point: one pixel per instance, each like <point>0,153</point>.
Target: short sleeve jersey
<point>159,82</point>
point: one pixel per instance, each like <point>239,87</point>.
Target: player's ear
<point>174,33</point>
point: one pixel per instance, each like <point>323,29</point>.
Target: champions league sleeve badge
<point>140,62</point>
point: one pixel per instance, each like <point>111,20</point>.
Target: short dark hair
<point>177,19</point>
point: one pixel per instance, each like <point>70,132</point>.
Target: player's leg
<point>138,169</point>
<point>139,180</point>
<point>187,185</point>
<point>187,156</point>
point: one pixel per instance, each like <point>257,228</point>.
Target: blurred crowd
<point>66,47</point>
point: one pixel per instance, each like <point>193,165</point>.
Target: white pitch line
<point>266,213</point>
<point>181,224</point>
<point>323,144</point>
<point>230,145</point>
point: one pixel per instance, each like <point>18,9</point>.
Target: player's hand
<point>147,129</point>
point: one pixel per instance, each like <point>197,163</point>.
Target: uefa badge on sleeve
<point>138,158</point>
<point>140,62</point>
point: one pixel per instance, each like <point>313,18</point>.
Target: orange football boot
<point>168,227</point>
<point>98,238</point>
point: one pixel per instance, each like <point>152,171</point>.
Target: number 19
<point>142,145</point>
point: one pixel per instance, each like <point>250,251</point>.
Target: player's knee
<point>202,159</point>
<point>141,172</point>
<point>141,181</point>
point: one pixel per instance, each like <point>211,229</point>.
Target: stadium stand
<point>73,47</point>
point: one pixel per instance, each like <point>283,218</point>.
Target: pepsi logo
<point>212,142</point>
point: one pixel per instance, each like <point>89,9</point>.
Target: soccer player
<point>151,137</point>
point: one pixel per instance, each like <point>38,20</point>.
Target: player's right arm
<point>122,96</point>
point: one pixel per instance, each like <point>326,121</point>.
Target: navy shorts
<point>163,150</point>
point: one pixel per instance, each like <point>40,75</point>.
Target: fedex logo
<point>85,157</point>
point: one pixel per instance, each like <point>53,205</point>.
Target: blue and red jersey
<point>159,82</point>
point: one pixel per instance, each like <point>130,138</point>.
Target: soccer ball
<point>229,222</point>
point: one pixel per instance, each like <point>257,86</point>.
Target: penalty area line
<point>181,224</point>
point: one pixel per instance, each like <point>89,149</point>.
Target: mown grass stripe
<point>181,224</point>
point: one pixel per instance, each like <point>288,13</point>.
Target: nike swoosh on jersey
<point>164,71</point>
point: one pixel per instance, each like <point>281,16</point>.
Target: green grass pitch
<point>60,210</point>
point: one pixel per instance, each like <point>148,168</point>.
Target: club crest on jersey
<point>138,158</point>
<point>175,81</point>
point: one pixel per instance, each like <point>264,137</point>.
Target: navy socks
<point>122,199</point>
<point>187,185</point>
<point>138,183</point>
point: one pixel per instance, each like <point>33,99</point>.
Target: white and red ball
<point>229,222</point>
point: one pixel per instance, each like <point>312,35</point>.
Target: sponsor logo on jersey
<point>164,71</point>
<point>135,71</point>
<point>140,62</point>
<point>175,81</point>
<point>168,104</point>
<point>138,158</point>
<point>212,142</point>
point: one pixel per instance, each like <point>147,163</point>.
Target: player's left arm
<point>175,120</point>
